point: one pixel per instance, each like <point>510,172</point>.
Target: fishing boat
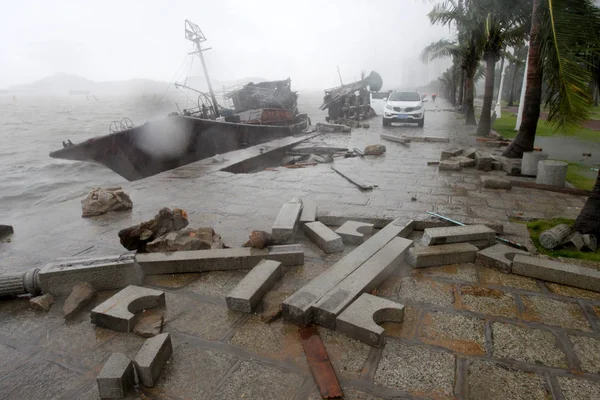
<point>262,112</point>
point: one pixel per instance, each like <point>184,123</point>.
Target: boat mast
<point>194,34</point>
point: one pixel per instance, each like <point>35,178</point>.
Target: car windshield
<point>405,96</point>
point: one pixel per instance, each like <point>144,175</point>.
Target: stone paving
<point>469,332</point>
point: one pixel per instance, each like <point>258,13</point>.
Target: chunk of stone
<point>446,154</point>
<point>364,279</point>
<point>186,239</point>
<point>445,254</point>
<point>374,150</point>
<point>331,128</point>
<point>309,211</point>
<point>361,319</point>
<point>494,182</point>
<point>484,160</point>
<point>149,326</point>
<point>260,240</point>
<point>498,257</point>
<point>136,237</point>
<point>555,236</point>
<point>6,230</point>
<point>42,303</point>
<point>394,138</point>
<point>325,238</point>
<point>152,357</point>
<point>248,293</point>
<point>590,242</point>
<point>470,153</point>
<point>101,201</point>
<point>496,166</point>
<point>116,377</point>
<point>557,272</point>
<point>119,312</point>
<point>576,239</point>
<point>511,166</point>
<point>81,295</point>
<point>103,273</point>
<point>552,173</point>
<point>285,226</point>
<point>464,161</point>
<point>353,232</point>
<point>298,307</point>
<point>447,165</point>
<point>218,259</point>
<point>530,161</point>
<point>458,234</point>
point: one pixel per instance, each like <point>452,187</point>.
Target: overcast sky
<point>274,39</point>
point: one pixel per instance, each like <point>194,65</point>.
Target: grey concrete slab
<point>448,165</point>
<point>103,273</point>
<point>322,236</point>
<point>285,226</point>
<point>458,234</point>
<point>353,232</point>
<point>364,279</point>
<point>152,357</point>
<point>557,272</point>
<point>250,290</point>
<point>309,211</point>
<point>218,259</point>
<point>464,161</point>
<point>394,138</point>
<point>495,182</point>
<point>116,377</point>
<point>435,256</point>
<point>119,312</point>
<point>299,306</point>
<point>360,320</point>
<point>499,256</point>
<point>484,160</point>
<point>446,154</point>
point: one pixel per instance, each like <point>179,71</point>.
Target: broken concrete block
<point>576,239</point>
<point>458,234</point>
<point>298,307</point>
<point>494,182</point>
<point>590,242</point>
<point>364,279</point>
<point>6,230</point>
<point>470,153</point>
<point>80,296</point>
<point>484,160</point>
<point>446,154</point>
<point>394,138</point>
<point>248,293</point>
<point>285,226</point>
<point>218,259</point>
<point>557,272</point>
<point>116,377</point>
<point>511,166</point>
<point>42,303</point>
<point>105,273</point>
<point>448,165</point>
<point>353,232</point>
<point>149,325</point>
<point>496,166</point>
<point>498,227</point>
<point>309,211</point>
<point>119,312</point>
<point>152,357</point>
<point>259,240</point>
<point>498,257</point>
<point>361,319</point>
<point>325,238</point>
<point>464,161</point>
<point>445,254</point>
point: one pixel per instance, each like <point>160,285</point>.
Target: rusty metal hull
<point>171,142</point>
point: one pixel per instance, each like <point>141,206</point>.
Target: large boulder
<point>80,296</point>
<point>101,201</point>
<point>138,236</point>
<point>186,239</point>
<point>374,150</point>
<point>260,240</point>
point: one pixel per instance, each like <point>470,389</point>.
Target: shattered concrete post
<point>309,211</point>
<point>248,293</point>
<point>557,272</point>
<point>152,357</point>
<point>435,256</point>
<point>459,234</point>
<point>446,154</point>
<point>285,226</point>
<point>498,257</point>
<point>116,377</point>
<point>353,232</point>
<point>551,172</point>
<point>325,238</point>
<point>21,283</point>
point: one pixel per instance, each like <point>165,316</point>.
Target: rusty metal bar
<point>319,363</point>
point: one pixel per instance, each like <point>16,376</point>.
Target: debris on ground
<point>250,290</point>
<point>186,239</point>
<point>116,378</point>
<point>260,240</point>
<point>447,165</point>
<point>394,138</point>
<point>149,326</point>
<point>42,303</point>
<point>81,295</point>
<point>354,180</point>
<point>152,357</point>
<point>563,235</point>
<point>136,237</point>
<point>494,182</point>
<point>6,230</point>
<point>319,363</point>
<point>101,201</point>
<point>353,100</point>
<point>374,150</point>
<point>331,128</point>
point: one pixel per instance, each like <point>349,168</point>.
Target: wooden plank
<point>533,185</point>
<point>319,363</point>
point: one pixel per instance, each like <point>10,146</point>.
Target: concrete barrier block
<point>394,138</point>
<point>364,279</point>
<point>309,211</point>
<point>498,257</point>
<point>446,154</point>
<point>248,293</point>
<point>360,320</point>
<point>218,259</point>
<point>325,238</point>
<point>116,377</point>
<point>285,226</point>
<point>464,161</point>
<point>152,357</point>
<point>353,232</point>
<point>448,165</point>
<point>557,272</point>
<point>119,312</point>
<point>459,234</point>
<point>445,254</point>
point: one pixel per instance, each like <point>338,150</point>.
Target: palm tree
<point>517,60</point>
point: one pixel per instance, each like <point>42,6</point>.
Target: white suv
<point>404,107</point>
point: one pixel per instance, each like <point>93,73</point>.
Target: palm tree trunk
<point>533,94</point>
<point>511,94</point>
<point>588,220</point>
<point>485,121</point>
<point>468,98</point>
<point>461,89</point>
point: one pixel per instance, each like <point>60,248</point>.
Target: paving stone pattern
<point>466,333</point>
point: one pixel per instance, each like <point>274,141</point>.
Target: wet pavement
<point>468,332</point>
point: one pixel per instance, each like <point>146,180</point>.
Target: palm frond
<point>440,49</point>
<point>479,73</point>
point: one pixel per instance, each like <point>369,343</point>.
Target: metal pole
<point>498,109</point>
<point>522,99</point>
<point>340,75</point>
<point>210,89</point>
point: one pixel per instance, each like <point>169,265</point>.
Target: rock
<point>464,161</point>
<point>186,239</point>
<point>42,303</point>
<point>6,230</point>
<point>493,182</point>
<point>101,201</point>
<point>136,237</point>
<point>260,240</point>
<point>149,326</point>
<point>447,165</point>
<point>374,150</point>
<point>217,159</point>
<point>80,296</point>
<point>366,126</point>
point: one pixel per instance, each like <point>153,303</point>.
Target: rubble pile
<point>101,201</point>
<point>136,237</point>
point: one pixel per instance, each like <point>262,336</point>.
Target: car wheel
<point>386,122</point>
<point>421,122</point>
